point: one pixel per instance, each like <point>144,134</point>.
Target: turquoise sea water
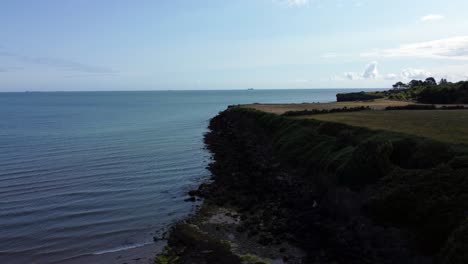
<point>85,173</point>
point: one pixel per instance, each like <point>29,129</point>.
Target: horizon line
<point>185,90</point>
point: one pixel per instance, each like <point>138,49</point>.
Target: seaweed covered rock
<point>188,244</point>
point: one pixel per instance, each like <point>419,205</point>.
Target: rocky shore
<point>306,191</point>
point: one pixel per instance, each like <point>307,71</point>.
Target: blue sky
<point>212,44</point>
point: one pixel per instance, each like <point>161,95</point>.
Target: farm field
<point>443,125</point>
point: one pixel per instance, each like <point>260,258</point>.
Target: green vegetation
<point>428,92</point>
<point>442,125</point>
<point>417,184</point>
<point>253,259</point>
<point>329,183</point>
<point>425,107</point>
<point>412,107</point>
<point>167,257</point>
<point>326,111</point>
<point>188,242</point>
<point>378,104</point>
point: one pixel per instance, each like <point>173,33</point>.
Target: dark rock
<point>190,199</point>
<point>194,193</point>
<point>359,96</point>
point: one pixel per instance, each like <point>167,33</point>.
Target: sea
<point>93,173</point>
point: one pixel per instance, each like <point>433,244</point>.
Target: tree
<point>443,81</point>
<point>400,85</point>
<point>430,81</point>
<point>415,83</point>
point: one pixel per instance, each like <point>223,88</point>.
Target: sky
<point>56,45</point>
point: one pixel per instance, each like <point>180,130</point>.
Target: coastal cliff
<point>337,193</point>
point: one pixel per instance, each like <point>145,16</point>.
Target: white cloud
<point>391,76</point>
<point>352,76</point>
<point>371,72</point>
<point>411,73</point>
<point>296,2</point>
<point>453,73</point>
<point>431,17</point>
<point>455,48</point>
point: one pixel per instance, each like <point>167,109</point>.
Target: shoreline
<point>143,254</point>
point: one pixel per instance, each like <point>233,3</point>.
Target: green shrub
<point>369,162</point>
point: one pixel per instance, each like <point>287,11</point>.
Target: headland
<point>374,181</point>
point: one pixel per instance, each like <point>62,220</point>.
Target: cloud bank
<point>371,72</point>
<point>455,48</point>
<point>411,73</point>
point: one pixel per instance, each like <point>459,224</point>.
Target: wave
<point>121,248</point>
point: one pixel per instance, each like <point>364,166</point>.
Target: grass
<point>378,104</point>
<point>442,125</point>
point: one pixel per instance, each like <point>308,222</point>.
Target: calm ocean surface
<point>94,172</point>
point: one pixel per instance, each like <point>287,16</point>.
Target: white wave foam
<point>121,248</point>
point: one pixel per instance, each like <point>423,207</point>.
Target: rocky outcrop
<point>359,96</point>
